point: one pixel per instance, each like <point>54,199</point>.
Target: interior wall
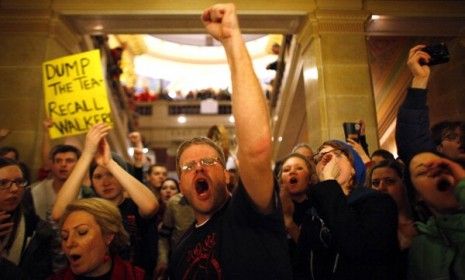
<point>446,97</point>
<point>25,47</point>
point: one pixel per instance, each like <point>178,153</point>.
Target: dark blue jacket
<point>412,130</point>
<point>362,239</point>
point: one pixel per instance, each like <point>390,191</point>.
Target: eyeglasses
<point>204,162</point>
<point>6,184</point>
<point>387,181</point>
<point>451,136</point>
<point>320,155</point>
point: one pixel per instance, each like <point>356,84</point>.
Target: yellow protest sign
<point>75,93</point>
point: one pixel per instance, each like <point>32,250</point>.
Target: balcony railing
<point>185,107</point>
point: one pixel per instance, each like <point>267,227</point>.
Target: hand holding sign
<point>75,93</point>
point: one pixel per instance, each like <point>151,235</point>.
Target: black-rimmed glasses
<point>6,184</point>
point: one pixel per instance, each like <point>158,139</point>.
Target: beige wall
<point>28,40</point>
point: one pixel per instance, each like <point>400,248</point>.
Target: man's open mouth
<point>74,257</point>
<point>443,185</point>
<point>201,186</point>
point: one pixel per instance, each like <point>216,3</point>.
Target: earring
<point>106,258</point>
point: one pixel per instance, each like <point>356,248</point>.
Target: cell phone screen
<point>351,130</point>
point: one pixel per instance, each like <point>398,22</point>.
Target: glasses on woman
<point>5,184</point>
<point>320,155</point>
<point>204,162</point>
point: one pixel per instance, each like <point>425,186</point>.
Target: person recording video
<point>413,133</point>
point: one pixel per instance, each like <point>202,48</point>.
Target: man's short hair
<point>387,155</point>
<point>7,149</point>
<point>151,167</point>
<point>442,130</point>
<point>301,145</point>
<point>199,141</point>
<point>59,149</point>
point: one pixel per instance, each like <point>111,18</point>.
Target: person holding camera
<point>412,130</point>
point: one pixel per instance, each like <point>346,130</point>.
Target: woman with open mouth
<point>387,176</point>
<point>438,252</point>
<point>92,234</point>
<point>296,176</point>
<point>111,181</point>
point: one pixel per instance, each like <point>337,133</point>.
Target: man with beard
<point>412,130</point>
<point>240,236</point>
<point>438,252</point>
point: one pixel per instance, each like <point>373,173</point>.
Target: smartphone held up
<point>352,131</point>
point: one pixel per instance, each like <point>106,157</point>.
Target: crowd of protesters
<point>335,212</point>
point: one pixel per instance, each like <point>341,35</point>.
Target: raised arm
<point>140,194</point>
<point>249,106</point>
<point>70,189</point>
<point>412,128</point>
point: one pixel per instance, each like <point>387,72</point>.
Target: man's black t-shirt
<point>236,243</point>
<point>143,237</point>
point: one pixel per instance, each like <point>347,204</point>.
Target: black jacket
<point>351,237</point>
<point>37,253</point>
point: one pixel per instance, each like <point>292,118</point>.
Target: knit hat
<point>359,166</point>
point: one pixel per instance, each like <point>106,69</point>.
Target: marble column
<point>336,75</point>
<point>29,37</point>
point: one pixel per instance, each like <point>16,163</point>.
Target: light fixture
<point>98,27</point>
<point>231,119</point>
<point>280,139</point>
<point>375,17</point>
<point>182,119</point>
<point>311,73</point>
<point>172,94</point>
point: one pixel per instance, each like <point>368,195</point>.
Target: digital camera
<point>438,52</point>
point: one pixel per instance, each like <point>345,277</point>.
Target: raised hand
<point>221,21</point>
<point>286,202</point>
<point>47,123</point>
<point>359,149</point>
<point>331,169</point>
<point>420,72</point>
<point>136,139</point>
<point>103,154</point>
<point>4,132</point>
<point>439,163</point>
<point>94,137</point>
<point>6,225</point>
